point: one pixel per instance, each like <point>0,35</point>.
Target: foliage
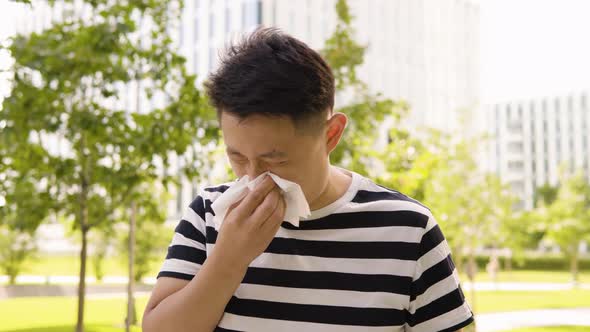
<point>71,112</point>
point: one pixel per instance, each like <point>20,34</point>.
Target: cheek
<point>238,169</point>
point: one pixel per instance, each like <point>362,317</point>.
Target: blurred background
<point>479,109</point>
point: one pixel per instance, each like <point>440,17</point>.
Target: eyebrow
<point>271,154</point>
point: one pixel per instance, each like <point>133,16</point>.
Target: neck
<point>337,184</point>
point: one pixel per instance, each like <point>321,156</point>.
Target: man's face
<point>261,143</point>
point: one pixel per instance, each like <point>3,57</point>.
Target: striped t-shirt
<point>373,260</point>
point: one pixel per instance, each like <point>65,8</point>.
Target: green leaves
<point>100,110</point>
<point>341,51</point>
<point>567,218</point>
<point>366,111</point>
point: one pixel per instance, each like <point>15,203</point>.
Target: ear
<point>334,129</point>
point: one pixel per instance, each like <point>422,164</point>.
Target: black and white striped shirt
<point>374,260</point>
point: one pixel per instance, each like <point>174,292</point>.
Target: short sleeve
<point>187,250</point>
<point>437,302</point>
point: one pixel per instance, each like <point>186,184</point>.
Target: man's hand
<point>246,232</point>
<point>251,224</point>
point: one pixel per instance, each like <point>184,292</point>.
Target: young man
<point>367,259</point>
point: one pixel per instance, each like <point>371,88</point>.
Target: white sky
<point>528,47</point>
<point>534,47</point>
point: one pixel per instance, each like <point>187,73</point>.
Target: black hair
<point>272,73</point>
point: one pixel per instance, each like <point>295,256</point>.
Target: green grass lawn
<point>496,301</point>
<point>532,276</point>
<point>70,265</point>
<point>115,266</point>
<point>554,329</point>
<point>52,314</point>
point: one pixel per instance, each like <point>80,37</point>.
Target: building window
<point>545,126</point>
<point>292,20</point>
<point>583,101</point>
<point>251,14</point>
<point>196,29</point>
<point>211,25</point>
<point>308,22</point>
<point>545,146</point>
<point>212,57</point>
<point>180,35</point>
<point>259,12</point>
<point>227,20</point>
<point>274,13</point>
<point>544,108</point>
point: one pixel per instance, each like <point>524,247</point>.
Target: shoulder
<point>206,196</point>
<point>373,197</point>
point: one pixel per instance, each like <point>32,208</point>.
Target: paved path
<point>121,280</point>
<point>36,279</point>
<point>93,290</point>
<point>522,286</point>
<point>113,287</point>
<point>505,321</point>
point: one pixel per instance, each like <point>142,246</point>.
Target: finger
<point>255,197</point>
<point>234,205</point>
<point>278,215</point>
<point>267,207</point>
<point>271,228</point>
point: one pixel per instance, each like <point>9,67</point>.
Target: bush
<point>546,262</point>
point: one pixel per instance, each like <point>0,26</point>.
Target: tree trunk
<point>574,267</point>
<point>131,316</point>
<point>84,228</point>
<point>508,262</point>
<point>82,281</point>
<point>458,259</point>
<point>472,266</point>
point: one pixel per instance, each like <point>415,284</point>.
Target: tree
<point>546,194</point>
<point>366,111</point>
<point>25,202</point>
<point>103,240</point>
<point>471,206</point>
<point>68,88</point>
<point>15,249</point>
<point>152,238</point>
<point>568,219</point>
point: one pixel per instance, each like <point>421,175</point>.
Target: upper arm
<point>437,302</point>
<point>185,256</point>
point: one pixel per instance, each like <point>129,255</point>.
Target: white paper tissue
<point>294,198</point>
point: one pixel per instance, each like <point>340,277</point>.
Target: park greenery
<point>70,87</point>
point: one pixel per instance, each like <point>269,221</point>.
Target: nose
<point>254,170</point>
